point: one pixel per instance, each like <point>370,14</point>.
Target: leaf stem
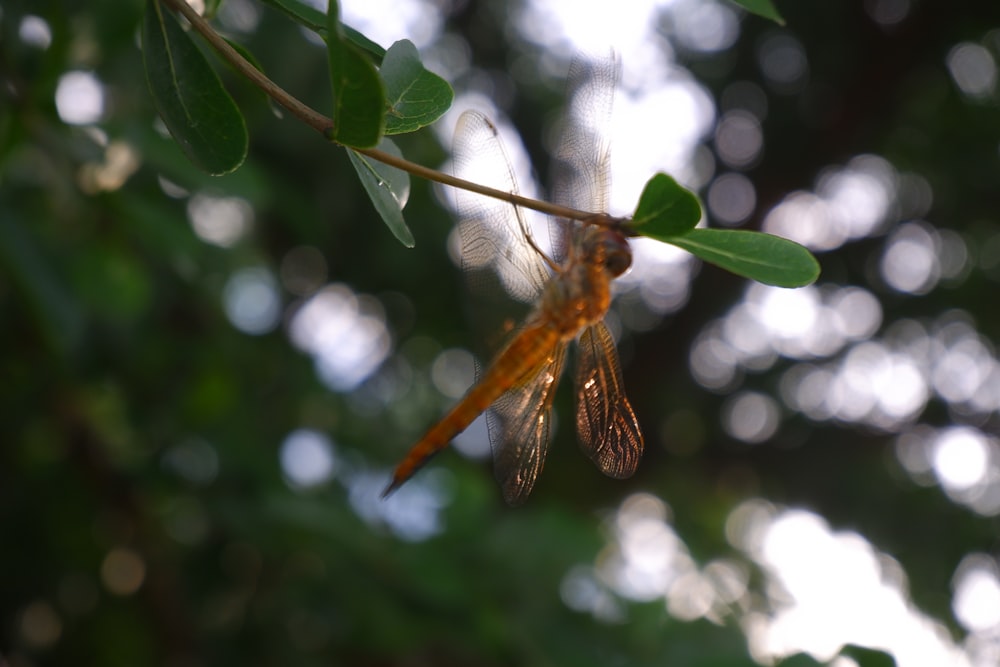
<point>324,126</point>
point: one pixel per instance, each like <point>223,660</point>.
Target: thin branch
<point>324,126</point>
<point>454,181</point>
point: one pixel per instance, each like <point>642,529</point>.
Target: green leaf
<point>301,13</point>
<point>665,209</point>
<point>763,8</point>
<point>765,258</point>
<point>374,50</point>
<point>252,59</point>
<point>799,660</point>
<point>866,657</point>
<point>416,96</point>
<point>189,96</point>
<point>358,93</point>
<point>388,188</point>
<point>315,20</point>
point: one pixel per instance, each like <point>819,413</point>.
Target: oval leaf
<point>416,96</point>
<point>868,657</point>
<point>373,50</point>
<point>189,96</point>
<point>358,94</point>
<point>388,188</point>
<point>763,8</point>
<point>303,14</point>
<point>315,20</point>
<point>252,59</point>
<point>765,258</point>
<point>665,209</point>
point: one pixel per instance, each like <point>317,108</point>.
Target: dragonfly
<point>572,293</point>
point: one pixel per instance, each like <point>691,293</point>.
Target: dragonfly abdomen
<point>523,354</point>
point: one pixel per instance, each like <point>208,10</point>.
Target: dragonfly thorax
<point>580,294</point>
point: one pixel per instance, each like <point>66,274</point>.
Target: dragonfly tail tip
<point>390,488</point>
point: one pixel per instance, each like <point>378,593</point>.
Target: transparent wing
<point>608,430</point>
<point>581,165</point>
<point>519,424</point>
<point>494,233</point>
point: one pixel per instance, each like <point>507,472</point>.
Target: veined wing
<point>519,423</point>
<point>608,430</point>
<point>494,233</point>
<point>581,169</point>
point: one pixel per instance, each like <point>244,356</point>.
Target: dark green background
<point>116,348</point>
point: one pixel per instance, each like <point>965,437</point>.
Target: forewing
<point>581,168</point>
<point>519,423</point>
<point>494,233</point>
<point>606,426</point>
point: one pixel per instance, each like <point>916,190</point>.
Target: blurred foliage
<point>118,354</point>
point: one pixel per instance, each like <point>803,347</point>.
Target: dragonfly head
<point>610,248</point>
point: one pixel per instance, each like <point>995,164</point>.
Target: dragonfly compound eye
<point>617,262</point>
<point>617,254</point>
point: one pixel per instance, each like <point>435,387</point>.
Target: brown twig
<point>455,182</point>
<point>324,126</point>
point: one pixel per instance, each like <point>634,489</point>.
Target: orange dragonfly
<point>572,295</point>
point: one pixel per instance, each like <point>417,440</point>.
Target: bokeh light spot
<point>80,98</point>
<point>830,589</point>
<point>747,524</point>
<point>121,160</point>
<point>738,139</point>
<point>41,626</point>
<point>307,458</point>
<point>782,59</point>
<point>647,557</point>
<point>239,15</point>
<point>976,602</point>
<point>713,362</point>
<point>581,591</point>
<point>474,441</point>
<point>222,221</point>
<point>123,571</point>
<point>35,31</point>
<point>345,333</point>
<point>386,21</point>
<point>849,202</point>
<point>751,417</point>
<point>453,372</point>
<point>413,512</point>
<point>961,458</point>
<point>251,301</point>
<point>568,26</point>
<point>909,263</point>
<point>731,198</point>
<point>888,13</point>
<point>973,69</point>
<point>858,313</point>
<point>704,25</point>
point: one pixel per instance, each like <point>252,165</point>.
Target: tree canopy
<point>218,340</point>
